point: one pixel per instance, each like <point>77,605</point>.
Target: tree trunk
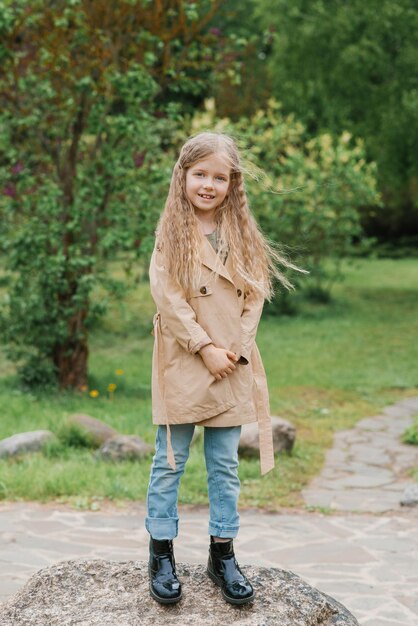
<point>70,358</point>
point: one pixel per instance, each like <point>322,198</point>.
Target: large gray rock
<point>108,593</point>
<point>98,430</point>
<point>124,447</point>
<point>284,435</point>
<point>22,443</point>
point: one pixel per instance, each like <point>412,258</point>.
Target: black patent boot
<point>225,572</point>
<point>164,585</point>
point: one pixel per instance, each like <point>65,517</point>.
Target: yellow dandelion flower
<point>119,372</point>
<point>94,393</point>
<point>111,387</point>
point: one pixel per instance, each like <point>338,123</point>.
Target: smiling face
<point>207,183</point>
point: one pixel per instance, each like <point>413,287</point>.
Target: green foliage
<point>58,231</point>
<point>245,86</point>
<point>411,434</point>
<point>352,65</point>
<point>305,192</point>
<point>74,436</point>
<point>402,248</point>
<point>82,166</point>
<point>69,437</point>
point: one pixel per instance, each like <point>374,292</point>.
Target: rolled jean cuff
<point>225,531</point>
<point>162,527</point>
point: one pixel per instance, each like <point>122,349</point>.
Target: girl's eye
<point>222,178</point>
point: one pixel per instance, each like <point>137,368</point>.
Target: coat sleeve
<point>250,318</point>
<point>175,311</point>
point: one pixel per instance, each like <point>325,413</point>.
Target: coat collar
<point>209,258</point>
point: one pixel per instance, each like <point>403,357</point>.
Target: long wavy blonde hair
<point>179,234</point>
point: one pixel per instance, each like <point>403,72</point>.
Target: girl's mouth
<point>205,196</point>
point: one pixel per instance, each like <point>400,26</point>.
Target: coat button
<point>203,290</point>
<point>239,292</point>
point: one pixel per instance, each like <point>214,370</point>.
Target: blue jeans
<point>221,456</point>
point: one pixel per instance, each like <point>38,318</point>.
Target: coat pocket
<point>194,393</point>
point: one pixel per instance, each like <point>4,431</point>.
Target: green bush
<point>85,119</point>
<point>411,434</point>
<point>74,436</point>
<point>306,193</point>
<point>81,175</point>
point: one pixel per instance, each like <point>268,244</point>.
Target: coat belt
<point>160,356</point>
<point>265,433</point>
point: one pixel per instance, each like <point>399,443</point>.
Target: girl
<point>210,272</point>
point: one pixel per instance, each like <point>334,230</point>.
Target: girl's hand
<point>220,362</point>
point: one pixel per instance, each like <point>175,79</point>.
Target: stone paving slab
<point>367,469</point>
<point>367,562</point>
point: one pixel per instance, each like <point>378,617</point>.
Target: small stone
<point>23,443</point>
<point>98,430</point>
<point>124,447</point>
<point>284,435</point>
<point>410,496</point>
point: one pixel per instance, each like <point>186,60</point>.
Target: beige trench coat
<point>218,312</point>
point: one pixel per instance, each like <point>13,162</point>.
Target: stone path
<point>366,560</point>
<point>366,469</point>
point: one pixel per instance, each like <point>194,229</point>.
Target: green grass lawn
<point>327,368</point>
